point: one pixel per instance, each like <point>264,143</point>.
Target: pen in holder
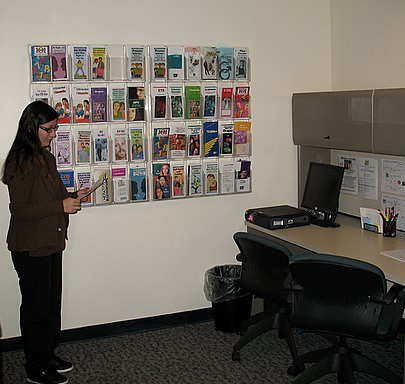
<point>389,221</point>
<point>390,228</point>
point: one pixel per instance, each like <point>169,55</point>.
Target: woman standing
<point>39,206</point>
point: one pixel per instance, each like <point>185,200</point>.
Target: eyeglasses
<point>50,129</point>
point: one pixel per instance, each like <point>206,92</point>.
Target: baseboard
<point>121,327</point>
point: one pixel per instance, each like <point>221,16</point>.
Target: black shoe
<point>62,366</point>
<point>47,376</point>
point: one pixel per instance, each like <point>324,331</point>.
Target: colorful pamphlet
<point>178,182</point>
<point>120,184</point>
<point>177,140</point>
<point>136,103</point>
<point>226,101</point>
<point>101,144</point>
<point>242,102</point>
<point>40,63</point>
<point>211,177</point>
<point>194,140</point>
<point>160,143</point>
<point>136,143</point>
<point>176,101</point>
<point>119,135</point>
<point>211,139</point>
<point>59,62</point>
<point>193,101</point>
<point>159,63</point>
<point>161,180</point>
<point>40,91</point>
<point>67,177</point>
<point>98,63</point>
<point>242,137</point>
<point>175,62</point>
<point>159,101</point>
<point>61,103</point>
<point>118,102</point>
<point>63,150</point>
<point>137,176</point>
<point>225,63</point>
<point>227,138</point>
<point>99,104</point>
<point>210,100</point>
<point>81,103</point>
<point>209,63</point>
<point>83,146</point>
<point>193,63</point>
<point>80,63</point>
<point>241,63</point>
<point>195,177</point>
<point>136,62</point>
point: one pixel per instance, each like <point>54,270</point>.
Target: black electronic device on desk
<point>321,194</point>
<point>321,200</point>
<point>280,216</point>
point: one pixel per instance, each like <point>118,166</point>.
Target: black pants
<point>40,280</point>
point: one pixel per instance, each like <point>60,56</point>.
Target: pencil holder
<point>390,228</point>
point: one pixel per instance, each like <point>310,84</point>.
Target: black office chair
<point>343,297</point>
<point>264,271</point>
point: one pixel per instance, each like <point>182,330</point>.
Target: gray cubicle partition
<point>389,121</point>
<point>368,123</point>
<point>338,120</point>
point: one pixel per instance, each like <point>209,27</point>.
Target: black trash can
<point>231,304</point>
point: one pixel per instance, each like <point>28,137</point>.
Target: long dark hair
<point>26,149</point>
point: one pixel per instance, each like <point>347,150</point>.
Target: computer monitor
<point>321,194</point>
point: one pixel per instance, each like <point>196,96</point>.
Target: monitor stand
<point>323,223</point>
<point>323,219</point>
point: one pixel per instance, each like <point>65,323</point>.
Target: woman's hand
<point>81,192</point>
<point>71,205</point>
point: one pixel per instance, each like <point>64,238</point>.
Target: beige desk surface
<point>348,240</point>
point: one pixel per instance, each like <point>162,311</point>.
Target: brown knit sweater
<point>38,223</point>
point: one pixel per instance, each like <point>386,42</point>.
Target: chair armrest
<point>291,285</point>
<point>389,297</point>
<point>391,315</point>
<point>240,257</point>
<point>393,293</point>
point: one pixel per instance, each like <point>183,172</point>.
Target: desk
<point>347,240</point>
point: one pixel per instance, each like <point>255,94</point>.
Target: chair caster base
<point>235,356</point>
<point>294,370</point>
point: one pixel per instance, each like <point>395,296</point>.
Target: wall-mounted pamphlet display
<point>153,122</point>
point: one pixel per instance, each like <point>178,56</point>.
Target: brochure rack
<point>157,122</point>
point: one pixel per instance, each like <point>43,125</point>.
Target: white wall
<point>368,48</point>
<point>155,263</point>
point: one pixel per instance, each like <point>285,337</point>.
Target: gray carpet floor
<point>192,354</point>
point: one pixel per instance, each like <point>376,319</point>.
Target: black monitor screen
<point>322,189</point>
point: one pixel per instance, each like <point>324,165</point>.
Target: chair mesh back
<point>264,267</point>
<point>336,297</point>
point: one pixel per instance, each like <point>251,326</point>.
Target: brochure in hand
<point>95,185</point>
